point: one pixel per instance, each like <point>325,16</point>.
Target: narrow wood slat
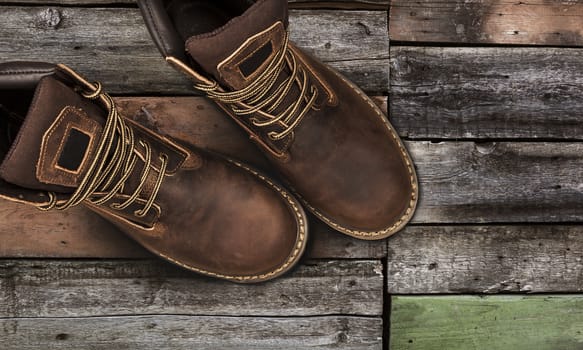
<point>67,288</point>
<point>186,333</point>
<point>486,259</point>
<point>467,182</point>
<point>487,92</point>
<point>532,22</point>
<point>494,323</point>
<point>344,4</point>
<point>112,45</point>
<point>461,182</point>
<point>27,232</point>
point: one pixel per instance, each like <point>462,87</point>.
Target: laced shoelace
<point>263,98</point>
<point>99,185</point>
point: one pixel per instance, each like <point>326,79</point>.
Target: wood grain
<point>83,288</point>
<point>77,233</point>
<point>170,332</point>
<point>342,4</point>
<point>486,259</point>
<point>112,45</point>
<point>531,22</point>
<point>498,182</point>
<point>549,322</point>
<point>460,182</point>
<point>487,92</point>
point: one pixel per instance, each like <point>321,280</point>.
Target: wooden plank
<point>498,182</point>
<point>83,288</point>
<point>486,259</point>
<point>186,333</point>
<point>26,232</point>
<point>460,182</point>
<point>552,322</point>
<point>344,4</point>
<point>463,182</point>
<point>532,22</point>
<point>112,45</point>
<point>487,92</point>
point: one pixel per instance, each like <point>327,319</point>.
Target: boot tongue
<point>241,49</point>
<point>54,146</point>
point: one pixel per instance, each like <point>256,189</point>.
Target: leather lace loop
<point>263,98</point>
<point>109,170</point>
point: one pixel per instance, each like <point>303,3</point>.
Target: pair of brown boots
<point>63,143</point>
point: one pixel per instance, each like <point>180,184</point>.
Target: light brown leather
<point>212,215</point>
<point>343,159</point>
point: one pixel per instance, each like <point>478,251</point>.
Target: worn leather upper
<point>342,158</point>
<point>209,214</point>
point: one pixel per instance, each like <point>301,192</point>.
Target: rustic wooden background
<point>488,95</point>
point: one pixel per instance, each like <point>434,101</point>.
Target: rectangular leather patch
<point>73,152</point>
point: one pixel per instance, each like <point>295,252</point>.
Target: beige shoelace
<point>98,185</point>
<point>262,98</point>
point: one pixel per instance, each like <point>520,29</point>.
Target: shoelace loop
<point>109,171</point>
<point>263,98</point>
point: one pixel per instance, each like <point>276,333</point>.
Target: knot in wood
<point>49,18</point>
<point>485,147</point>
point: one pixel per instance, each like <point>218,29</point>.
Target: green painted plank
<point>495,322</point>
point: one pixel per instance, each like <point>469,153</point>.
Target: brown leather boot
<point>331,144</point>
<point>206,213</point>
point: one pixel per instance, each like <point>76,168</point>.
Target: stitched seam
<point>291,259</point>
<point>150,13</point>
<point>72,176</point>
<point>414,195</point>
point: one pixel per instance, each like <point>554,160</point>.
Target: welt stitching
<point>414,196</point>
<point>155,24</point>
<point>291,259</point>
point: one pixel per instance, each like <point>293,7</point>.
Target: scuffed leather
<point>212,215</point>
<point>344,160</point>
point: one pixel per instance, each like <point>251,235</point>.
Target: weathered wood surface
<point>532,22</point>
<point>186,333</point>
<point>553,322</point>
<point>344,4</point>
<point>112,45</point>
<point>83,288</point>
<point>487,92</point>
<point>486,259</point>
<point>78,233</point>
<point>461,182</point>
<point>468,182</point>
